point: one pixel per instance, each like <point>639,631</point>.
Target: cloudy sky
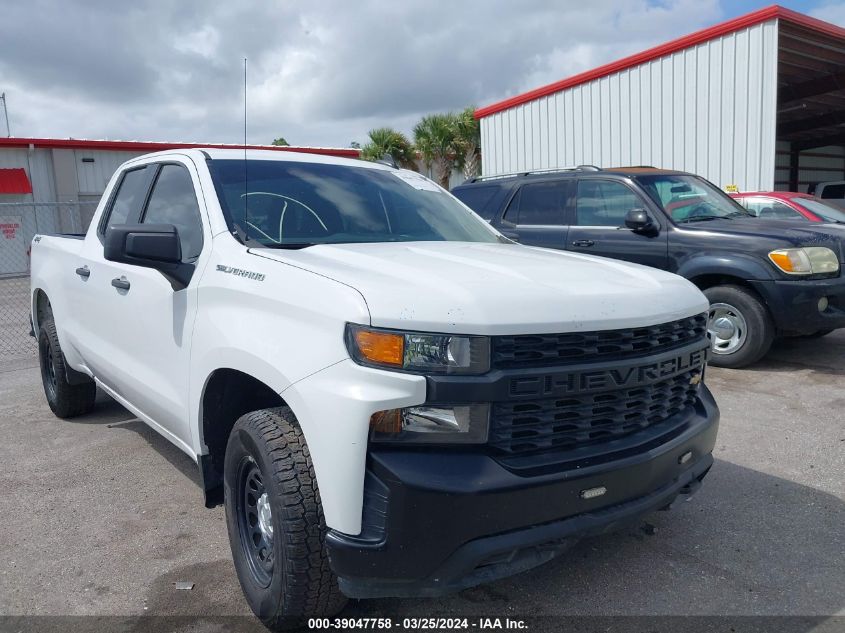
<point>321,72</point>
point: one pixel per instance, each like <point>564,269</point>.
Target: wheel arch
<point>227,394</point>
<point>41,308</point>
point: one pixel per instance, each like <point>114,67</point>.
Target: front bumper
<point>794,304</point>
<point>437,521</point>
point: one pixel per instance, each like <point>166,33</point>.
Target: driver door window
<point>173,201</point>
<point>604,203</point>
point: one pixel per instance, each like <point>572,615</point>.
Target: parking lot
<point>101,516</point>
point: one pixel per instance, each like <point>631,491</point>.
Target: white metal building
<point>757,102</point>
<point>53,185</point>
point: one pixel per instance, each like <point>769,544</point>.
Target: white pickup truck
<point>388,396</point>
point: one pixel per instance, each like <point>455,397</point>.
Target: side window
<point>604,203</point>
<point>539,203</point>
<point>770,208</point>
<point>126,205</point>
<point>477,199</point>
<point>173,201</point>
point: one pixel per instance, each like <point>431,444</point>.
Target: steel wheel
<point>727,328</point>
<point>255,521</point>
<point>48,369</point>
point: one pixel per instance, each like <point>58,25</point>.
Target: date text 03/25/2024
<point>422,624</point>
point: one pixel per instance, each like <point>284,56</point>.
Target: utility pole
<point>6,112</point>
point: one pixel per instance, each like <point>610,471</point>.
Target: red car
<point>788,205</point>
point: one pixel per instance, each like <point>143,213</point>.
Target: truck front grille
<point>544,350</point>
<point>522,427</point>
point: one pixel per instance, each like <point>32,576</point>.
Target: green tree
<point>280,141</point>
<point>468,142</point>
<point>435,137</point>
<point>385,141</point>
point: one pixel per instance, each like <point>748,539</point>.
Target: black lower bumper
<point>794,304</point>
<point>441,521</point>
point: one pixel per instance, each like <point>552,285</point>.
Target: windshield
<point>824,211</point>
<point>290,204</point>
<point>690,198</point>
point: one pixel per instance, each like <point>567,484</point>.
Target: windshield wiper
<point>702,218</point>
<point>290,245</point>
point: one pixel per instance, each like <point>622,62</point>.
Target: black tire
<point>818,334</point>
<point>66,400</point>
<point>758,329</point>
<point>267,458</point>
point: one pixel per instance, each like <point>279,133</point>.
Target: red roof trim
<point>149,146</point>
<point>744,21</point>
<point>14,181</point>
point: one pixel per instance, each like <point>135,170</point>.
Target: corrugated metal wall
<point>94,176</point>
<point>710,109</point>
<point>38,164</point>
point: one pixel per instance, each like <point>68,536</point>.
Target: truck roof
<point>214,153</point>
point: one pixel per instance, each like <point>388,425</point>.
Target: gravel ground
<point>101,516</point>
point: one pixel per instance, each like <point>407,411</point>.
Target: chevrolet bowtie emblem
<point>695,379</point>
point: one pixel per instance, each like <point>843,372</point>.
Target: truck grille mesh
<point>578,347</point>
<point>573,421</point>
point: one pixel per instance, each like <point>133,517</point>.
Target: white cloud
<point>321,73</point>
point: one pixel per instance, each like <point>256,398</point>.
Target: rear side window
<point>539,203</point>
<point>604,203</point>
<point>173,201</point>
<point>478,199</point>
<point>126,206</point>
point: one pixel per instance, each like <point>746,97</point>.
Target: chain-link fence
<point>19,222</point>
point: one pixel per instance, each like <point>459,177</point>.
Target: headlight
<point>462,424</point>
<point>810,260</point>
<point>417,351</point>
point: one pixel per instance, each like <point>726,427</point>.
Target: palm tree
<point>435,139</point>
<point>385,141</point>
<point>468,137</point>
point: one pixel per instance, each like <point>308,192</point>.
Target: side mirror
<point>639,221</point>
<point>154,246</point>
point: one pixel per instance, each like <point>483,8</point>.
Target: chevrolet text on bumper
<point>389,397</point>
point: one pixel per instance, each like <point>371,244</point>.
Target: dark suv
<point>764,278</point>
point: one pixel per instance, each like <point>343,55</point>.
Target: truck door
<point>536,214</point>
<point>143,343</point>
<point>598,226</point>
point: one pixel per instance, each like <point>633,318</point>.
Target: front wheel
<point>275,521</point>
<point>741,331</point>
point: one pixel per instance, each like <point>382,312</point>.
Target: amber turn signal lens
<point>381,347</point>
<point>386,421</point>
<point>782,260</point>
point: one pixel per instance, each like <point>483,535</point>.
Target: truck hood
<point>473,288</point>
<point>782,233</point>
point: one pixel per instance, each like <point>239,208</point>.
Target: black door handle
<point>120,282</point>
<point>83,272</point>
<point>583,243</point>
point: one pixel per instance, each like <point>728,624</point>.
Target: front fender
<point>333,408</point>
<point>742,266</point>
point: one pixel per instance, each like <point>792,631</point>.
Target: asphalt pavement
<point>101,516</point>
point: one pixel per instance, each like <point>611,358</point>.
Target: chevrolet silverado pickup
<point>388,396</point>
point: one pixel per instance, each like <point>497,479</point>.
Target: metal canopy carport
<point>811,98</point>
<point>757,102</point>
